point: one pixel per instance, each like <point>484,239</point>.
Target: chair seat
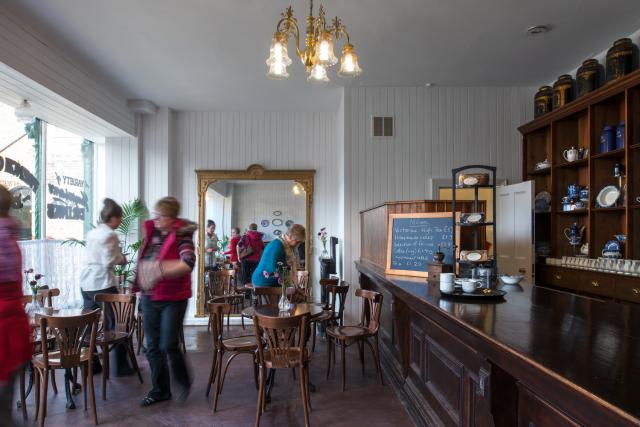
<point>110,337</point>
<point>244,343</point>
<point>348,332</point>
<point>324,317</point>
<point>54,358</point>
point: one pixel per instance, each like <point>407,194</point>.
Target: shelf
<point>544,171</point>
<point>575,164</point>
<point>574,212</point>
<point>462,187</point>
<point>482,224</point>
<point>489,261</point>
<point>635,206</point>
<point>612,209</point>
<point>635,147</point>
<point>609,154</point>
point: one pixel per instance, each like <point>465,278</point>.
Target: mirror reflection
<point>243,216</point>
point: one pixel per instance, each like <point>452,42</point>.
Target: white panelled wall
<point>436,129</point>
<point>175,144</point>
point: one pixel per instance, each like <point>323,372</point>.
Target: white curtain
<point>60,264</point>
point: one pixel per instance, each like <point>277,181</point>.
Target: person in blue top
<point>279,250</point>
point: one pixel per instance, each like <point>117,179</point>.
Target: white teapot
<point>570,155</point>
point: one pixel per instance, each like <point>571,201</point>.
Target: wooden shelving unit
<point>578,124</point>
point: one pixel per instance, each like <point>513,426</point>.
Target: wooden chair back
<point>276,338</point>
<point>324,295</point>
<point>231,282</point>
<point>267,295</point>
<point>371,309</point>
<point>302,279</point>
<point>26,299</point>
<point>70,335</point>
<point>337,296</point>
<point>217,309</point>
<point>122,308</point>
<point>47,295</point>
<point>216,283</point>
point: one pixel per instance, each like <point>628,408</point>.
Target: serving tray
<point>480,295</point>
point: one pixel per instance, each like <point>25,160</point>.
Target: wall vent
<point>382,126</point>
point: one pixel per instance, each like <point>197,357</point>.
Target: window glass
<point>67,202</point>
<point>18,169</point>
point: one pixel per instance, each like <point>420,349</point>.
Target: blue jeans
<point>162,325</point>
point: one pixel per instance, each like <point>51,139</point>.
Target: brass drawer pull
<point>558,277</point>
<point>595,283</point>
<point>636,291</point>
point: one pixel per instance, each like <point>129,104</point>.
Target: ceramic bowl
<point>511,280</point>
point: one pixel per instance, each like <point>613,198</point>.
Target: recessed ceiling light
<point>537,30</point>
<point>429,84</point>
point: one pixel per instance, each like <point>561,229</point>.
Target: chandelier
<point>317,55</point>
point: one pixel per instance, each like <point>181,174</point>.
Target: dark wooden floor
<point>364,403</point>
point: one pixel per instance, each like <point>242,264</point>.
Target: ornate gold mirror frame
<point>253,172</point>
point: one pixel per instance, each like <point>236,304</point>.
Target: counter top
<point>592,344</point>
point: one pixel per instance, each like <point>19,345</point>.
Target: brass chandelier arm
<point>291,27</point>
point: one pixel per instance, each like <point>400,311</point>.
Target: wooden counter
<point>540,358</point>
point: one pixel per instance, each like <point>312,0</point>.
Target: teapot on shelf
<point>574,234</point>
<point>570,155</point>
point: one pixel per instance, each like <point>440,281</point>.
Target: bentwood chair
<point>235,346</point>
<point>139,327</point>
<point>230,289</point>
<point>334,309</point>
<point>302,282</point>
<point>46,295</point>
<point>121,308</point>
<point>267,295</point>
<point>360,334</point>
<point>278,348</point>
<point>70,335</point>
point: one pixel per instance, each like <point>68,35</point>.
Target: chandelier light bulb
<point>277,71</point>
<point>278,52</point>
<point>349,66</point>
<point>318,73</point>
<point>324,51</point>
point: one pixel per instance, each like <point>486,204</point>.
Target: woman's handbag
<point>244,248</point>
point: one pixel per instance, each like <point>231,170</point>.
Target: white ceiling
<point>209,54</point>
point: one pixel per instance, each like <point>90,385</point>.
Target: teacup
<point>446,282</point>
<point>470,285</point>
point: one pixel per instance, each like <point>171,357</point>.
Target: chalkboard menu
<point>413,238</point>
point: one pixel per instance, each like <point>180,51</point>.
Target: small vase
<point>325,253</point>
<point>284,304</point>
<point>34,301</point>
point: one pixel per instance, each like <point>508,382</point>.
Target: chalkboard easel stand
<point>480,227</point>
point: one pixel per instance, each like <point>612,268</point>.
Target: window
<point>18,169</point>
<point>68,201</point>
<point>41,161</point>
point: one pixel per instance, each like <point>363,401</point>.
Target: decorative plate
<point>608,196</point>
<point>545,196</point>
<point>277,233</point>
<point>289,223</point>
<point>472,218</point>
<point>264,223</point>
<point>276,222</point>
<point>277,213</point>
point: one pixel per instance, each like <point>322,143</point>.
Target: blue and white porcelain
<point>607,139</point>
<point>612,249</point>
<point>620,136</point>
<point>584,194</point>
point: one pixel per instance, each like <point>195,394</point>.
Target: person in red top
<point>252,238</point>
<point>233,246</point>
<point>167,258</point>
<point>15,349</point>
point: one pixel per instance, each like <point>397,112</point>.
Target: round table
<point>34,319</point>
<point>273,311</point>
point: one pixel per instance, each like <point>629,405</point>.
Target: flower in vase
<point>266,274</point>
<point>38,276</point>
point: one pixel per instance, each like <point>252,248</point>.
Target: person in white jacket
<point>102,254</point>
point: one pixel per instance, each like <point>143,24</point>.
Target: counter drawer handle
<point>558,277</point>
<point>595,283</point>
<point>636,291</point>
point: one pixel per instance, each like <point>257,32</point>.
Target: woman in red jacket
<point>167,258</point>
<point>233,246</point>
<point>15,349</point>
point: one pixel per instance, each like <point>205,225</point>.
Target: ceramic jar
<point>543,101</point>
<point>588,77</point>
<point>620,59</point>
<point>607,139</point>
<point>562,91</point>
<point>620,136</point>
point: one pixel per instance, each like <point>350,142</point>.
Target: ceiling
<point>209,54</point>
